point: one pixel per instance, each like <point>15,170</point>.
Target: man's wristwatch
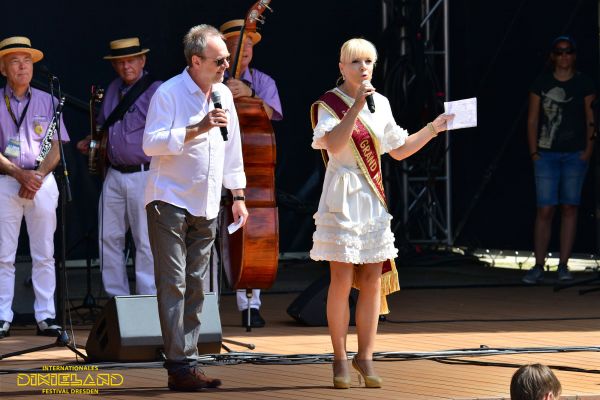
<point>239,198</point>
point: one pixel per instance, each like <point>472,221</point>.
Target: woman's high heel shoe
<point>371,381</point>
<point>341,381</point>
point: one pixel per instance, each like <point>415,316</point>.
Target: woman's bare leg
<point>338,311</point>
<point>367,312</point>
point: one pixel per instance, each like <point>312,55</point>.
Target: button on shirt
<point>191,174</point>
<point>125,136</point>
<point>39,114</point>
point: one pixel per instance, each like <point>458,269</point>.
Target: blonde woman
<point>352,223</point>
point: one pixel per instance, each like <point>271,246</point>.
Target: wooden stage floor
<point>422,320</point>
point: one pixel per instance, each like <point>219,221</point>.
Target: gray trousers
<point>181,245</point>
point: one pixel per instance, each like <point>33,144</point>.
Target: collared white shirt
<point>191,175</point>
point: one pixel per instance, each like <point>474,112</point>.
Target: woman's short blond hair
<point>357,47</point>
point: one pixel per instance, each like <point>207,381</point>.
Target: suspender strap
<point>127,101</point>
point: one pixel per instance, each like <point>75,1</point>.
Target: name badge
<point>13,149</point>
<point>38,128</point>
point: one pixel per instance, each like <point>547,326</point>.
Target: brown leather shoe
<point>191,380</point>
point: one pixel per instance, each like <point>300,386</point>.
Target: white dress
<point>352,225</point>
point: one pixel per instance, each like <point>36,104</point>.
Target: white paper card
<point>234,226</point>
<point>465,113</point>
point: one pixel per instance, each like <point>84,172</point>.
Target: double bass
<point>250,255</point>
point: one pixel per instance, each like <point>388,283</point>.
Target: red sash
<point>365,147</point>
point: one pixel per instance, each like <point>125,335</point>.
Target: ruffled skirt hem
<point>342,254</point>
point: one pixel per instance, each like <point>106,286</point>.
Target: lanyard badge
<point>13,149</point>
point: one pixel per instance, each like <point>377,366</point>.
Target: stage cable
<point>444,356</point>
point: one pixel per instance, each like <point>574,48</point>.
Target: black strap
<point>12,114</point>
<point>127,101</point>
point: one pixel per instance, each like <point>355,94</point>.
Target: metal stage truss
<point>421,45</point>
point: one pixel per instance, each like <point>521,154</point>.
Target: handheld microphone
<point>216,98</point>
<point>370,102</point>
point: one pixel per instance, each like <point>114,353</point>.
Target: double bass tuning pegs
<point>265,4</point>
<point>256,17</point>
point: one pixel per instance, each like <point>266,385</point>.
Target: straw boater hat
<point>233,28</point>
<point>125,48</point>
<point>19,44</point>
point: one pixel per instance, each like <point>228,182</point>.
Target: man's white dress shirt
<point>191,175</point>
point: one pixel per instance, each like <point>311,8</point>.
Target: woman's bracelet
<point>432,129</point>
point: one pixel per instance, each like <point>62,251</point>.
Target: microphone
<point>216,98</point>
<point>370,102</point>
<point>46,72</point>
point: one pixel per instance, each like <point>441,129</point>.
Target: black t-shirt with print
<point>562,124</point>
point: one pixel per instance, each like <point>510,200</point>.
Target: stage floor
<point>422,320</point>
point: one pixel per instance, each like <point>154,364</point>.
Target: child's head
<point>534,382</point>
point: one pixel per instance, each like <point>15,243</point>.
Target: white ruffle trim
<point>329,220</point>
<point>353,256</point>
<point>393,138</point>
<point>356,243</point>
<point>321,129</point>
<point>373,241</point>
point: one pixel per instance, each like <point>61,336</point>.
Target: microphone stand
<point>63,339</point>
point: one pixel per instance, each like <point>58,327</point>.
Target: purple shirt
<point>38,117</point>
<point>125,136</point>
<point>265,88</point>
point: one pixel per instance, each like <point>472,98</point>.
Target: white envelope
<point>465,113</point>
<point>234,226</point>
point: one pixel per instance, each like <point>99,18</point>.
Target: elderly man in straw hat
<point>257,84</point>
<point>123,117</point>
<point>27,187</point>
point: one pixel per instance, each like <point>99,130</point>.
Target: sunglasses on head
<point>566,50</point>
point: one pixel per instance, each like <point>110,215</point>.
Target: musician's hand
<point>30,180</point>
<point>84,145</point>
<point>239,210</point>
<point>238,88</point>
<point>26,193</point>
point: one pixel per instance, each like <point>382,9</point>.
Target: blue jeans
<point>559,178</point>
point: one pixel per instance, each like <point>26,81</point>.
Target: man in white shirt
<point>191,162</point>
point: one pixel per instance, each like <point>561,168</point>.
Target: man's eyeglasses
<point>566,50</point>
<point>218,61</point>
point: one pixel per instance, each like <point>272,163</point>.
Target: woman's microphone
<point>369,98</point>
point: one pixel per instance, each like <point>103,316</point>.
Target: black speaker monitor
<point>310,307</point>
<point>128,329</point>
